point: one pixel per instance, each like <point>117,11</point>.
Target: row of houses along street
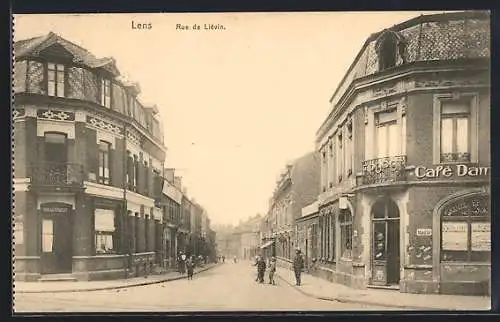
<point>396,194</point>
<point>94,198</point>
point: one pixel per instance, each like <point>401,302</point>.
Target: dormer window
<point>390,46</point>
<point>105,92</point>
<point>55,79</point>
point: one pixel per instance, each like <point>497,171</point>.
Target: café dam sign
<point>459,170</point>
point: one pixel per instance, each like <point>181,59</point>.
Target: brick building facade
<point>87,156</point>
<point>405,155</point>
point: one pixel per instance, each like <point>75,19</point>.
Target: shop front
<point>462,264</point>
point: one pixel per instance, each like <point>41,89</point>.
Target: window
<point>136,173</point>
<point>387,136</point>
<point>55,80</point>
<point>47,235</point>
<point>387,48</point>
<point>331,236</point>
<point>146,177</point>
<point>339,156</point>
<point>466,230</point>
<point>455,131</point>
<point>19,232</point>
<point>403,134</point>
<point>324,170</point>
<point>331,175</point>
<point>345,221</point>
<point>104,227</point>
<point>105,92</point>
<point>348,149</point>
<point>104,152</point>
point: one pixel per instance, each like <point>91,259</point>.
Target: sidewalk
<point>322,289</point>
<point>86,286</point>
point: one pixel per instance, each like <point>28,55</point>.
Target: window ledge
<point>466,263</point>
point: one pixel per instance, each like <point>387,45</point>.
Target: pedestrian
<point>235,259</point>
<point>190,268</point>
<point>298,266</point>
<point>182,263</point>
<point>255,264</point>
<point>272,270</point>
<point>223,258</point>
<point>261,268</point>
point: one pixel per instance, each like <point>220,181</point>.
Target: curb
<point>168,279</point>
<point>347,300</point>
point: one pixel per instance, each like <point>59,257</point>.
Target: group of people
<point>186,264</point>
<point>260,262</point>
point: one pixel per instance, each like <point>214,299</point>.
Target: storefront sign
<point>424,232</point>
<point>473,206</point>
<point>454,236</point>
<point>481,237</point>
<point>55,209</point>
<point>460,170</point>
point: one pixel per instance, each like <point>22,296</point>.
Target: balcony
<point>384,170</point>
<point>57,176</point>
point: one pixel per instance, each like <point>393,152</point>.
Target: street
<point>229,287</point>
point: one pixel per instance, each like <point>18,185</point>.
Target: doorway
<point>56,239</point>
<point>385,243</point>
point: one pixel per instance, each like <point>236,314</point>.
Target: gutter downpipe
<point>128,267</point>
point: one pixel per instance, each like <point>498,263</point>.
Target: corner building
<point>89,159</point>
<point>397,207</point>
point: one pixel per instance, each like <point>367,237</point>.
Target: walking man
<point>298,266</point>
<point>261,267</point>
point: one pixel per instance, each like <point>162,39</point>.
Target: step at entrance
<point>394,287</point>
<point>57,278</point>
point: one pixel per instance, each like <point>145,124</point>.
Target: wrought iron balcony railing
<point>384,170</point>
<point>57,174</point>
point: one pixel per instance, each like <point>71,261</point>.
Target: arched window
<point>389,46</point>
<point>466,230</point>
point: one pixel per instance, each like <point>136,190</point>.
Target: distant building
<point>297,186</point>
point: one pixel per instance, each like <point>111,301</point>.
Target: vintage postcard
<point>280,161</point>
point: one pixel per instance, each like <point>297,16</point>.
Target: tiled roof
<point>27,47</point>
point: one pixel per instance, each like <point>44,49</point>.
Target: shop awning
<point>267,244</point>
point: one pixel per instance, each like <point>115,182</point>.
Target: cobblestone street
<point>228,287</point>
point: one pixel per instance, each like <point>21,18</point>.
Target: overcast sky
<point>236,104</point>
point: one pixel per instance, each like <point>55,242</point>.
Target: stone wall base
<point>100,275</point>
<point>27,277</point>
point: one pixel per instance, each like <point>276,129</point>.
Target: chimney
<point>170,174</point>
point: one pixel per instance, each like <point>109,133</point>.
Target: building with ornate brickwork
<point>405,157</point>
<point>93,199</point>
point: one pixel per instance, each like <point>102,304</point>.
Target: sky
<point>236,104</point>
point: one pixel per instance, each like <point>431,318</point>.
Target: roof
<point>406,24</point>
<point>33,46</point>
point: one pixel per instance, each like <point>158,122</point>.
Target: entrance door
<point>57,252</point>
<point>385,243</point>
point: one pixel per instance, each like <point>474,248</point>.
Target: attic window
<point>389,46</point>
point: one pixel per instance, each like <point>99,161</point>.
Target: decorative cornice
<point>409,78</point>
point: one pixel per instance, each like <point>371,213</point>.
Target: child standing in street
<point>272,270</point>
